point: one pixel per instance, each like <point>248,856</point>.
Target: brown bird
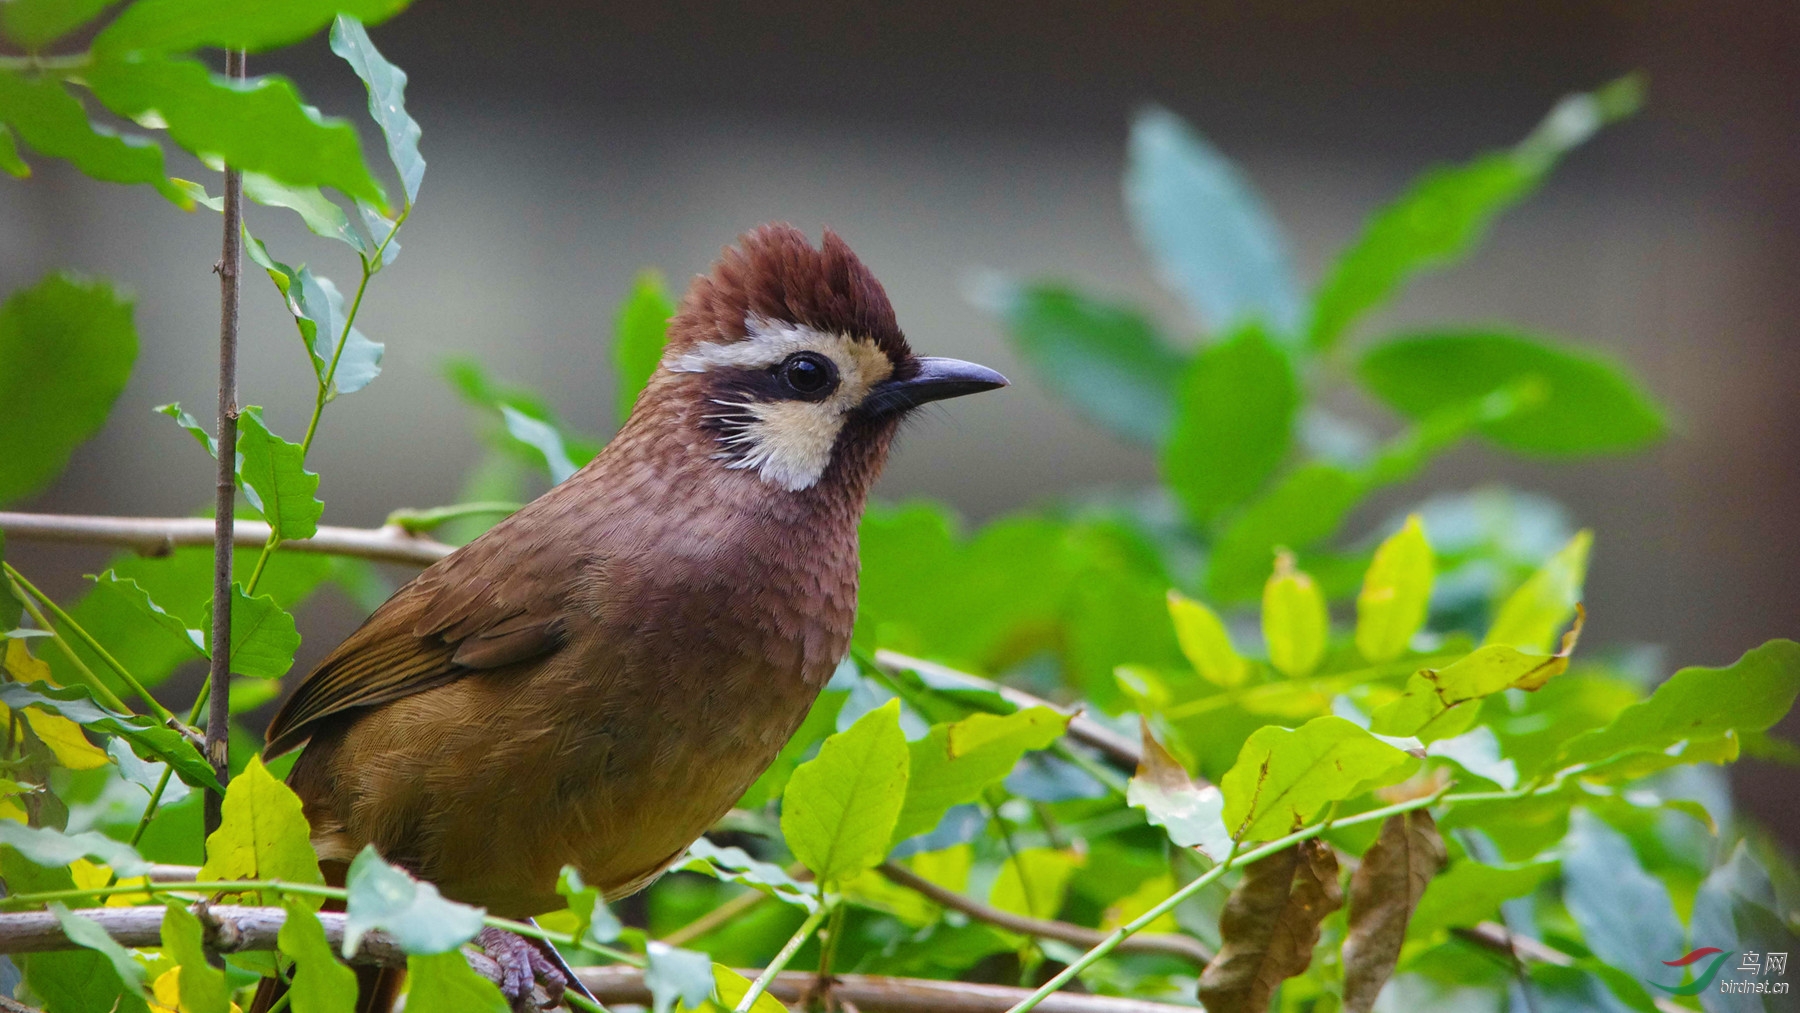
<point>596,680</point>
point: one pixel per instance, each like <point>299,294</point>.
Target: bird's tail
<point>377,988</point>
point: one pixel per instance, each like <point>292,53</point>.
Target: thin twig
<point>65,619</point>
<point>1185,947</point>
<point>869,993</point>
<point>797,940</point>
<point>218,725</point>
<point>158,536</point>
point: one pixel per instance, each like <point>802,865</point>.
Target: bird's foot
<point>521,965</point>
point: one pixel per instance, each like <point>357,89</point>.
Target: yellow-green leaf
<point>733,987</point>
<point>63,738</point>
<point>321,984</point>
<point>840,807</point>
<point>1295,623</point>
<point>444,983</point>
<point>1531,616</point>
<point>200,985</point>
<point>1205,642</point>
<point>1441,702</point>
<point>956,762</point>
<point>1284,776</point>
<point>264,834</point>
<point>1395,593</point>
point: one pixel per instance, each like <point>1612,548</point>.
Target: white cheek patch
<point>786,442</point>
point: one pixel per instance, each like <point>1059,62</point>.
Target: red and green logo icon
<point>1702,979</point>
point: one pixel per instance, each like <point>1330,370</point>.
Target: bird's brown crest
<point>775,273</point>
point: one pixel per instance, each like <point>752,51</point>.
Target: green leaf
<point>1395,593</point>
<point>135,597</point>
<point>53,122</point>
<point>1233,425</point>
<point>202,985</point>
<point>74,703</point>
<point>1205,643</point>
<point>258,125</point>
<point>321,984</point>
<point>444,983</point>
<point>1469,893</point>
<point>1284,776</point>
<point>412,911</point>
<point>673,974</point>
<point>263,636</point>
<point>542,437</point>
<point>263,835</point>
<point>35,24</point>
<point>53,848</point>
<point>840,807</point>
<point>1533,614</point>
<point>1205,227</point>
<point>321,215</point>
<point>639,333</point>
<point>1697,704</point>
<point>10,162</point>
<point>1440,703</point>
<point>318,311</point>
<point>1304,507</point>
<point>956,763</point>
<point>176,26</point>
<point>66,349</point>
<point>146,774</point>
<point>88,933</point>
<point>1192,815</point>
<point>1295,625</point>
<point>1586,404</point>
<point>387,100</point>
<point>276,480</point>
<point>594,921</point>
<point>736,866</point>
<point>1446,212</point>
<point>1624,912</point>
<point>733,987</point>
<point>1104,359</point>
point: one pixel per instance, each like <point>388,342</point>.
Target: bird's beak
<point>935,379</point>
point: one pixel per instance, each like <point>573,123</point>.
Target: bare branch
<point>1185,947</point>
<point>876,994</point>
<point>158,536</point>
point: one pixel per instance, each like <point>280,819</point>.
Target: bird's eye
<point>808,373</point>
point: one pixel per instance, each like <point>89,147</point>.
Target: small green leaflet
<point>53,122</point>
<point>639,333</point>
<point>445,983</point>
<point>412,911</point>
<point>1284,776</point>
<point>1395,593</point>
<point>732,988</point>
<point>177,26</point>
<point>52,848</point>
<point>1233,424</point>
<point>87,932</point>
<point>197,430</point>
<point>1531,616</point>
<point>387,100</point>
<point>263,834</point>
<point>321,984</point>
<point>1205,643</point>
<point>841,806</point>
<point>735,865</point>
<point>956,763</point>
<point>542,437</point>
<point>320,214</point>
<point>276,480</point>
<point>202,985</point>
<point>146,774</point>
<point>1105,360</point>
<point>673,975</point>
<point>1442,702</point>
<point>73,702</point>
<point>260,124</point>
<point>263,635</point>
<point>1295,624</point>
<point>318,311</point>
<point>67,346</point>
<point>595,923</point>
<point>139,599</point>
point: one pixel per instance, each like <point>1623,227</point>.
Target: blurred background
<point>573,144</point>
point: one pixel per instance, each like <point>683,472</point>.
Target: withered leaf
<point>1383,893</point>
<point>1172,800</point>
<point>1270,926</point>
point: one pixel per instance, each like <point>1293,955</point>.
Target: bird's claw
<point>522,964</point>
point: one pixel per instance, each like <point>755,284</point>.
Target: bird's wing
<point>480,608</point>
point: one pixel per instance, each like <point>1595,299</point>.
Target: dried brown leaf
<point>1383,893</point>
<point>1270,926</point>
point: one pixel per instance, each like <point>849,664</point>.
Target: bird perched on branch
<point>596,680</point>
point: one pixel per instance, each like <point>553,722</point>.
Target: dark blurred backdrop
<point>571,144</point>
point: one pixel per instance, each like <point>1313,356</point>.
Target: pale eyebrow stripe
<point>769,343</point>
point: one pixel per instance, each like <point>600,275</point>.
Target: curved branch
<point>158,536</point>
<point>878,994</point>
<point>1185,947</point>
